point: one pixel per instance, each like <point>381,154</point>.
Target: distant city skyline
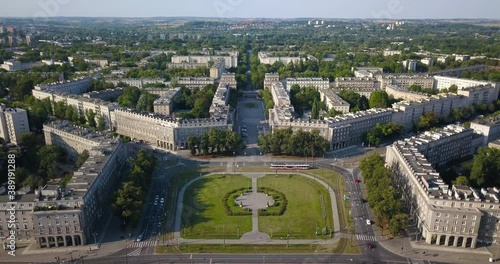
<point>371,9</point>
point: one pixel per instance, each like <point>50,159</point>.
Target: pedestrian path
<point>142,244</point>
<point>365,237</point>
<point>136,252</point>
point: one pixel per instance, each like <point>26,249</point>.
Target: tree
<point>101,124</point>
<point>462,180</point>
<point>453,88</point>
<point>193,143</point>
<point>90,118</point>
<point>428,120</point>
<point>315,109</point>
<point>127,202</point>
<point>398,223</point>
<point>379,99</point>
<point>129,97</point>
<point>82,157</point>
<point>486,168</point>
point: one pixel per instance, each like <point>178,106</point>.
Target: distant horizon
<point>255,9</point>
<point>251,18</point>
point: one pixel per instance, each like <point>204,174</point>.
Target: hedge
<point>279,196</point>
<point>232,194</point>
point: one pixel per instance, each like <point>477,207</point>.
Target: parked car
<point>139,238</point>
<point>368,222</point>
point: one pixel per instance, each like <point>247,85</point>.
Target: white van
<point>368,222</point>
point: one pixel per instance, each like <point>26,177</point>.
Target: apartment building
<point>427,61</point>
<point>81,103</point>
<point>218,68</point>
<point>403,93</point>
<point>106,95</point>
<point>229,78</point>
<point>186,65</point>
<point>74,140</point>
<point>270,78</point>
<point>459,216</point>
<point>195,82</point>
<point>361,91</point>
<point>484,94</point>
<point>266,58</point>
<point>165,104</point>
<point>356,83</point>
<point>494,144</point>
<point>13,122</point>
<point>230,60</point>
<point>333,100</point>
<point>444,82</point>
<point>162,131</point>
<point>139,83</point>
<point>54,216</point>
<point>348,129</point>
<point>405,81</point>
<point>391,52</point>
<point>78,86</point>
<point>220,103</point>
<point>318,83</point>
<point>12,65</point>
<point>488,128</point>
<point>24,205</point>
<point>408,113</point>
<point>410,65</point>
<point>366,72</point>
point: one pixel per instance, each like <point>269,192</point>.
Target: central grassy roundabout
<point>281,206</point>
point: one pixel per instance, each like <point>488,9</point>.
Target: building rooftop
<point>428,177</point>
<point>333,97</point>
<point>168,96</point>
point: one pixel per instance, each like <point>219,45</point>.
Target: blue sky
<point>409,9</point>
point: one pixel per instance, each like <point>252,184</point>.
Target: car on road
<point>156,203</point>
<point>368,222</point>
<point>139,238</point>
<point>162,200</point>
<point>369,245</point>
<point>356,181</point>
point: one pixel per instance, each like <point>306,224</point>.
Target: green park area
<point>308,213</point>
<point>204,214</point>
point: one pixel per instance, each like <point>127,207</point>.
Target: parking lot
<point>251,121</point>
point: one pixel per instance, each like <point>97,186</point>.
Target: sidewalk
<point>421,250</point>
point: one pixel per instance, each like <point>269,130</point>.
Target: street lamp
<point>238,231</point>
<point>95,238</point>
<point>224,235</point>
<point>234,162</point>
<point>288,236</point>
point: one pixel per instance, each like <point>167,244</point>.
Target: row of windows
<point>454,229</point>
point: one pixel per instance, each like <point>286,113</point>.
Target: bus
<point>290,166</point>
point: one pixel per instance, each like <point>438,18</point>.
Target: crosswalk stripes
<point>136,252</point>
<point>365,238</point>
<point>142,244</point>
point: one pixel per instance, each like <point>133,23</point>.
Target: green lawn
<point>304,214</point>
<point>203,211</point>
<point>338,184</point>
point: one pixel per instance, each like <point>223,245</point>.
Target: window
<point>463,222</point>
<point>456,216</point>
<point>464,216</point>
<point>447,215</point>
<point>474,217</point>
<point>462,229</point>
<point>436,227</point>
<point>437,220</point>
<point>438,214</point>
